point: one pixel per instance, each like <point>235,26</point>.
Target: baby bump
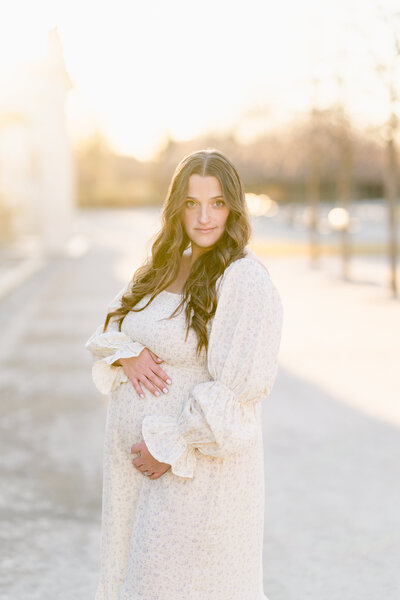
<point>183,380</point>
<point>127,410</point>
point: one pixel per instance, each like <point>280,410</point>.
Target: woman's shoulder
<point>248,270</point>
<point>248,276</point>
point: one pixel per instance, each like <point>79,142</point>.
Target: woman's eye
<point>217,203</point>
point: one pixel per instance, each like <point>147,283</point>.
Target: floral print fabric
<point>196,533</point>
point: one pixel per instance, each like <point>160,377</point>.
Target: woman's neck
<point>194,253</point>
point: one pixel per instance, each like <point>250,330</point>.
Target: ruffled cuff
<point>217,421</point>
<point>165,443</point>
<point>125,351</point>
<point>107,377</point>
<point>102,345</point>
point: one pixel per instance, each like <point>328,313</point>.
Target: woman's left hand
<point>147,463</point>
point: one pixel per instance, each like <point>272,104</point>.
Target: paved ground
<point>331,425</point>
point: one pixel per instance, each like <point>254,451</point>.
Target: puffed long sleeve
<point>222,416</point>
<point>108,347</point>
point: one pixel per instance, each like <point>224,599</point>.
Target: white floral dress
<point>196,533</point>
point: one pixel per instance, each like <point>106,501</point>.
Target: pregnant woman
<point>187,353</point>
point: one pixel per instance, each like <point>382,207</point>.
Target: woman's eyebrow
<point>213,197</point>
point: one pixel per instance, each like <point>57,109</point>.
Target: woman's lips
<point>206,230</point>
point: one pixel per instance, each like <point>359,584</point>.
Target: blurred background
<point>99,101</point>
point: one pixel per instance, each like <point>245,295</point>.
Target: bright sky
<point>145,70</point>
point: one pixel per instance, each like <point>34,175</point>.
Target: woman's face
<point>205,212</point>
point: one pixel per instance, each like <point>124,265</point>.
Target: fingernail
<point>165,390</point>
<point>142,395</point>
<point>157,393</point>
<point>169,381</point>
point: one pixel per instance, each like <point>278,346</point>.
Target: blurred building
<point>37,178</point>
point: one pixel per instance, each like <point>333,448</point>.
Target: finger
<point>138,387</point>
<point>162,374</point>
<point>155,357</point>
<point>141,468</point>
<point>159,383</point>
<point>137,447</point>
<point>147,383</point>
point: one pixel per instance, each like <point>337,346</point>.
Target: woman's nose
<point>204,216</point>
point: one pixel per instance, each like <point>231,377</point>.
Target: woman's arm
<point>222,416</point>
<point>110,347</point>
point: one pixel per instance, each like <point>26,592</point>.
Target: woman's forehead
<point>204,185</point>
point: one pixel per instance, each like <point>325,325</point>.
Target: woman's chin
<point>205,241</point>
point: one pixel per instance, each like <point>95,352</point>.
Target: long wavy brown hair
<point>161,268</point>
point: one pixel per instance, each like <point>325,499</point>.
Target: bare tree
<point>314,179</point>
<point>344,180</point>
<point>388,71</point>
<point>392,187</point>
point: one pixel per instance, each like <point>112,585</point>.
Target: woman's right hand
<point>144,369</point>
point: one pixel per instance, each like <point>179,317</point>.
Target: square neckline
<point>249,255</point>
<point>172,293</point>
